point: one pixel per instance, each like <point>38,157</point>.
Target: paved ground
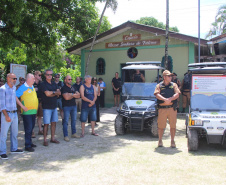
<point>110,159</point>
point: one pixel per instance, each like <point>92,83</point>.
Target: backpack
<point>187,81</point>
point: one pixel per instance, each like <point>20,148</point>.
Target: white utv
<point>138,110</point>
<point>207,114</point>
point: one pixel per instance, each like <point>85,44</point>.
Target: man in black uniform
<point>167,93</point>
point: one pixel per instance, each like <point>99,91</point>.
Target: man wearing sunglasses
<point>167,94</point>
<point>69,94</point>
<point>9,116</point>
<point>49,92</point>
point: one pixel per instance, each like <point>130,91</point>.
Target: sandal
<point>94,134</point>
<point>45,143</point>
<point>82,135</point>
<point>54,141</point>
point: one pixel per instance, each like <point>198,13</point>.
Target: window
<point>100,67</point>
<point>132,52</point>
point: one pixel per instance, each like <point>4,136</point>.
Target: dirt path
<point>110,159</point>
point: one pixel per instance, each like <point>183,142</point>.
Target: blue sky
<point>183,13</point>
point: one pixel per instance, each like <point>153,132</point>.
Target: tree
<point>219,26</point>
<point>107,3</point>
<point>41,30</point>
<point>151,21</point>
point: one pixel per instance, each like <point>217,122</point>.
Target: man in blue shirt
<point>9,116</point>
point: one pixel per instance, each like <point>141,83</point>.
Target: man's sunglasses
<point>14,78</point>
<point>49,74</point>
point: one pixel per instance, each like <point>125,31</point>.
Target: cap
<point>167,73</point>
<point>174,74</point>
<point>57,74</point>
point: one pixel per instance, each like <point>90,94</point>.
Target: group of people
<point>38,98</point>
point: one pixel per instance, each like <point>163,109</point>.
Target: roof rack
<point>207,64</point>
<point>144,63</point>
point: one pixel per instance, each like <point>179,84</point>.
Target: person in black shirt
<point>59,98</point>
<point>138,76</point>
<point>38,81</point>
<point>69,94</point>
<point>78,100</point>
<point>49,93</point>
<point>117,88</point>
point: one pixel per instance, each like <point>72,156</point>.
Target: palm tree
<point>219,26</point>
<point>111,4</point>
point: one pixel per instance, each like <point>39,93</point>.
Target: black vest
<point>166,92</point>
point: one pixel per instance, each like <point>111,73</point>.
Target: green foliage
<point>219,26</point>
<point>151,21</point>
<point>37,32</point>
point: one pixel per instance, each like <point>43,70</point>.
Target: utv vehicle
<point>138,110</point>
<point>207,113</point>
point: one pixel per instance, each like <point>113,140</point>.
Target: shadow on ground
<point>53,157</point>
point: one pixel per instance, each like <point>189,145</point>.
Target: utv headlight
<point>196,122</point>
<point>152,108</point>
<point>123,106</point>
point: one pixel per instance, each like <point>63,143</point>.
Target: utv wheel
<point>154,127</point>
<point>193,141</point>
<point>120,125</point>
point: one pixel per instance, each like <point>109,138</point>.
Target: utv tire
<point>120,125</point>
<point>154,127</point>
<point>193,140</point>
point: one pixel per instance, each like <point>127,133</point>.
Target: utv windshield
<point>139,89</point>
<point>208,93</point>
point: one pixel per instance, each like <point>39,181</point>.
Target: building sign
<point>133,43</point>
<point>19,71</point>
<point>131,37</point>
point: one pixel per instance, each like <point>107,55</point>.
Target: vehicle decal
<point>138,102</point>
<point>214,113</point>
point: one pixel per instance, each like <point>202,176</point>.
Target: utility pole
<point>199,30</point>
<point>167,34</point>
<point>94,38</point>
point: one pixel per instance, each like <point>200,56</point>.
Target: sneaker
<point>18,151</point>
<point>66,139</point>
<point>75,135</point>
<point>4,156</point>
<point>30,149</point>
<point>33,145</point>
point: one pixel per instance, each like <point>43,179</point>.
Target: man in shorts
<point>117,88</point>
<point>89,96</point>
<point>49,92</point>
<point>167,93</point>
